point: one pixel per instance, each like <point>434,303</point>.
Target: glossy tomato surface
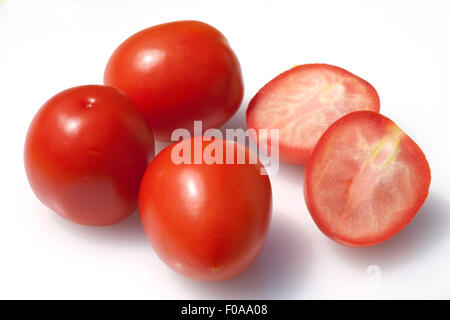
<point>176,73</point>
<point>303,102</point>
<point>365,180</point>
<point>206,221</point>
<point>85,153</point>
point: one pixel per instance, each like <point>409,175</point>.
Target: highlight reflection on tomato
<point>206,221</point>
<point>85,153</point>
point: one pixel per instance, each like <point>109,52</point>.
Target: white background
<point>401,47</point>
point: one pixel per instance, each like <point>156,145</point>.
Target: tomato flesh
<point>304,101</point>
<point>365,180</point>
<point>205,221</point>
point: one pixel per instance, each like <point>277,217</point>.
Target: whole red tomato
<point>206,221</point>
<point>176,73</point>
<point>85,153</point>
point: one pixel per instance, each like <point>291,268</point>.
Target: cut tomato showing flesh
<point>365,180</point>
<point>303,102</point>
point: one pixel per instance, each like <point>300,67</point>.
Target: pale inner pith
<point>303,105</point>
<point>380,163</point>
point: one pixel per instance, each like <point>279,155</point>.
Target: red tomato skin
<point>207,222</point>
<point>85,153</point>
<point>287,153</point>
<point>176,73</point>
<point>407,143</point>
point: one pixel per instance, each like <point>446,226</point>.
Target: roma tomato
<point>303,102</point>
<point>176,73</point>
<point>365,180</point>
<point>206,221</point>
<point>85,153</point>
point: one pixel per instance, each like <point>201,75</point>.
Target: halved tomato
<point>365,180</point>
<point>303,102</point>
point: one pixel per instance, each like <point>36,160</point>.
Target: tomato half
<point>303,102</point>
<point>365,180</point>
<point>176,73</point>
<point>205,221</point>
<point>85,153</point>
